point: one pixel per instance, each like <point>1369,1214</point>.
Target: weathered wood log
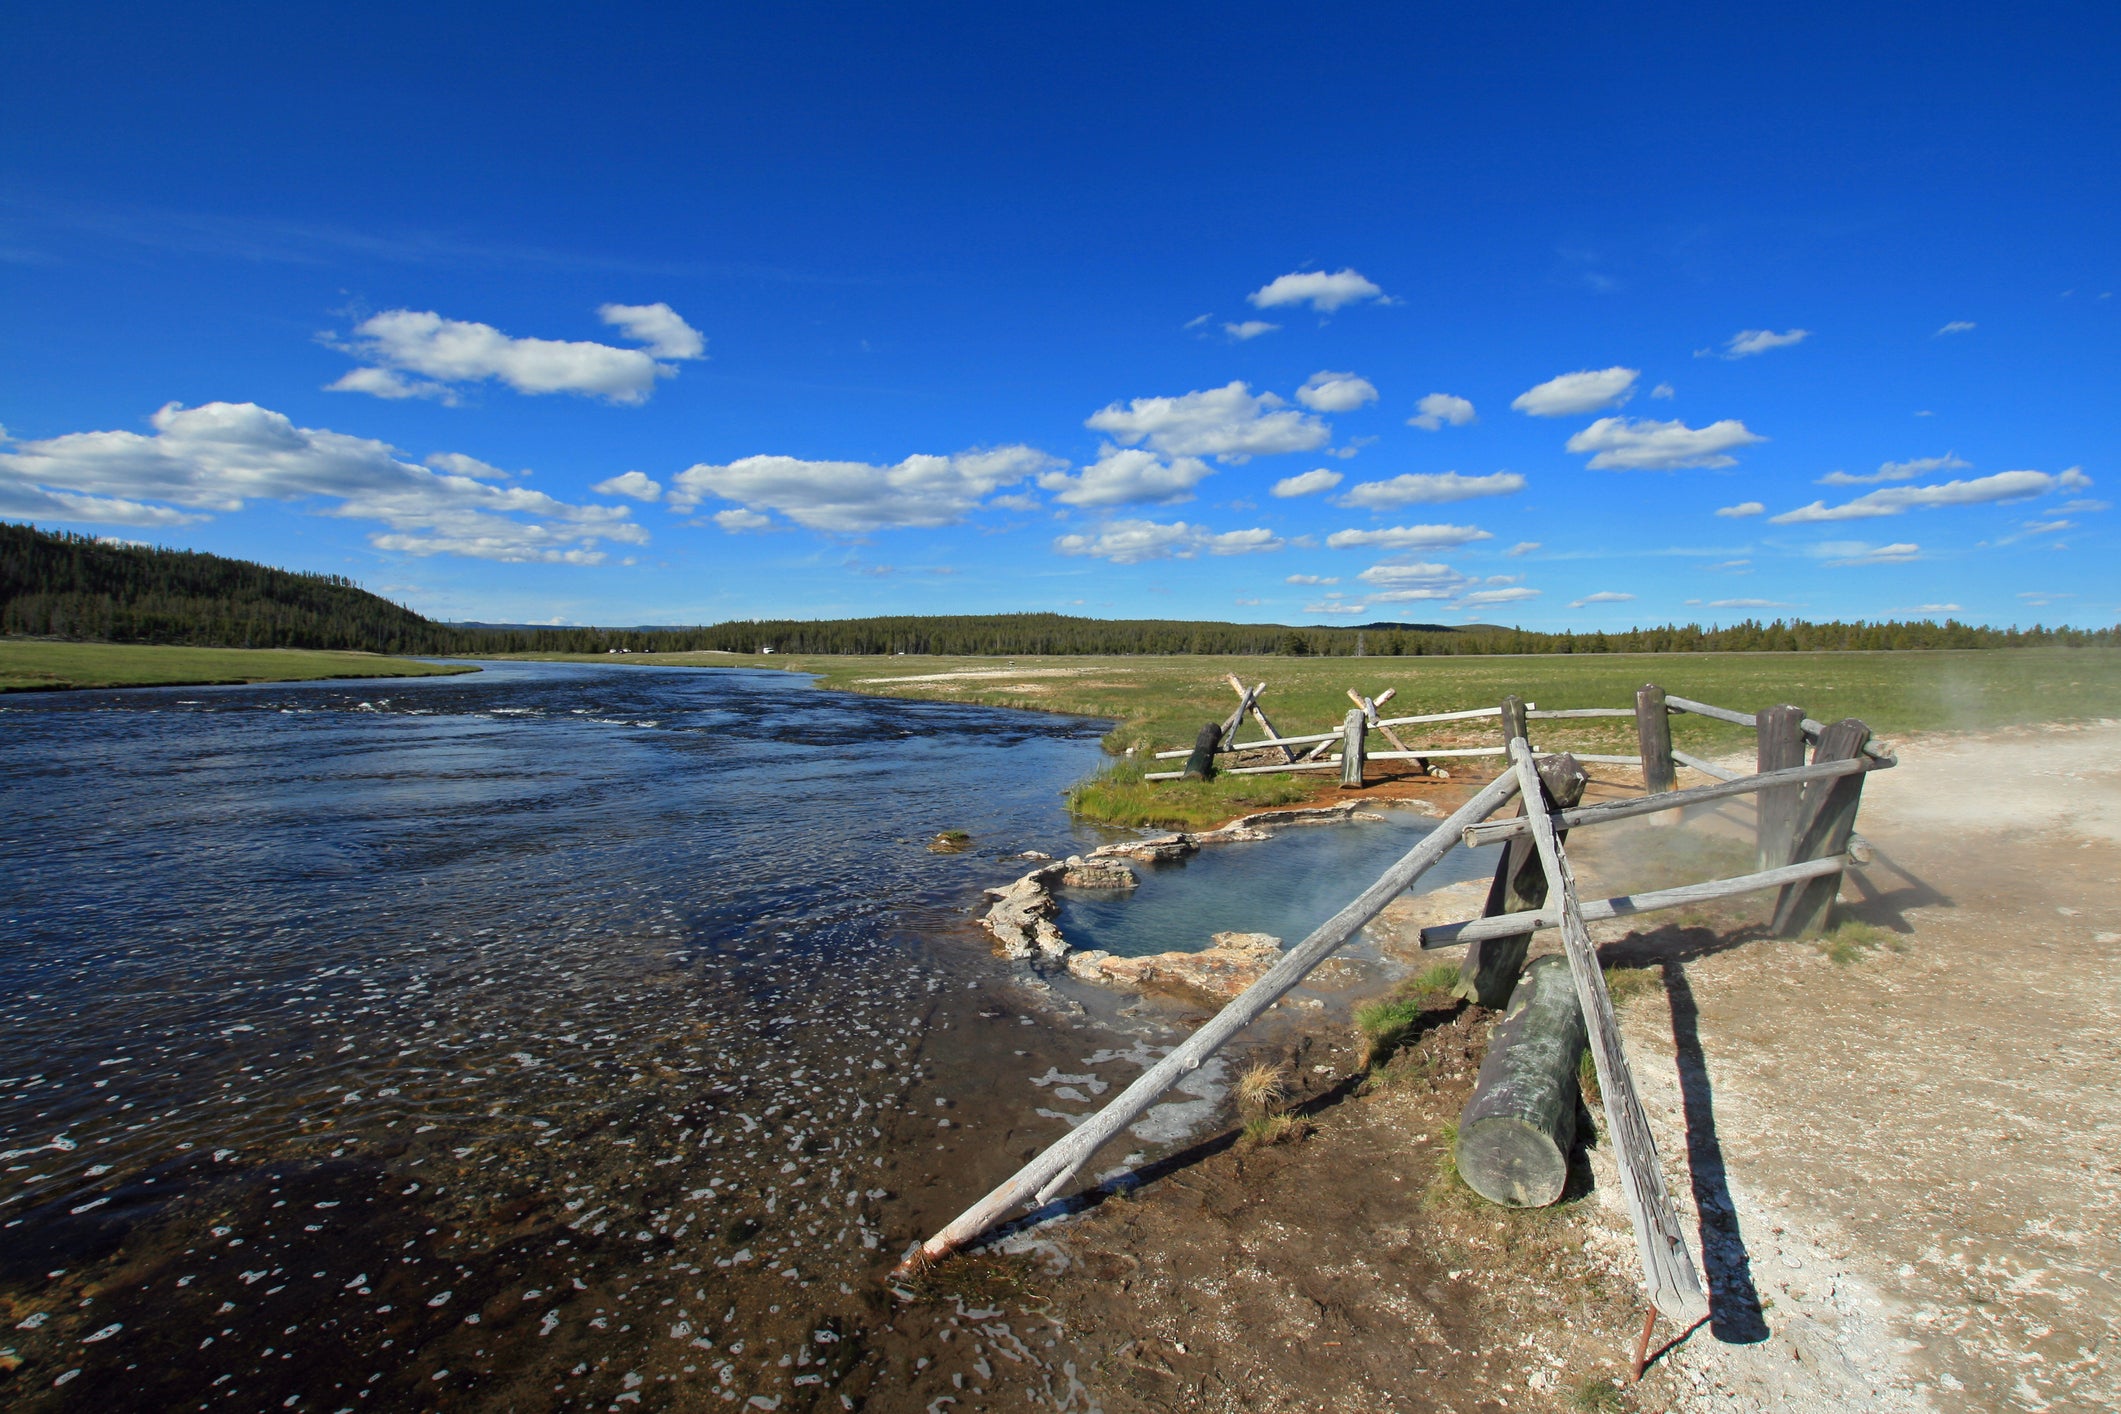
<point>1584,815</point>
<point>1826,817</point>
<point>1259,714</point>
<point>1707,768</point>
<point>1369,707</point>
<point>1653,729</point>
<point>1513,719</point>
<point>1489,971</point>
<point>1450,935</point>
<point>1779,738</point>
<point>1516,1133</point>
<point>1668,1268</point>
<point>1237,719</point>
<point>1200,766</point>
<point>1045,1176</point>
<point>1356,731</point>
<point>1561,713</point>
<point>1876,750</point>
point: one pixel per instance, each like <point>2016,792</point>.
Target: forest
<point>77,587</point>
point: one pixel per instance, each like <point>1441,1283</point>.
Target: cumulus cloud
<point>1130,542</point>
<point>1957,326</point>
<point>1249,329</point>
<point>1430,488</point>
<point>1741,510</point>
<point>1308,484</point>
<point>1624,444</point>
<point>1937,609</point>
<point>1407,537</point>
<point>1416,582</point>
<point>1323,292</point>
<point>1603,596</point>
<point>1312,579</point>
<point>221,456</point>
<point>1124,476</point>
<point>1500,596</point>
<point>1522,547</point>
<point>1325,391</point>
<point>443,352</point>
<point>1583,391</point>
<point>855,497</point>
<point>1664,390</point>
<point>1981,490</point>
<point>1748,342</point>
<point>658,326</point>
<point>1331,607</point>
<point>1858,552</point>
<point>1227,423</point>
<point>741,520</point>
<point>630,483</point>
<point>1438,410</point>
<point>1897,471</point>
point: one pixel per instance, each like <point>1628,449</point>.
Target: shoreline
<point>66,665</point>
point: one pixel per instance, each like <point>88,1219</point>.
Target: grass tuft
<point>1263,1089</point>
<point>1851,941</point>
<point>1597,1396</point>
<point>1265,1129</point>
<point>1119,796</point>
<point>1624,984</point>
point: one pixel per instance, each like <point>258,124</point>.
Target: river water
<point>559,1036</point>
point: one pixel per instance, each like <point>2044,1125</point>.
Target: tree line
<point>62,585</point>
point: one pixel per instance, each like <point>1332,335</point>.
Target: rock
<point>1021,920</point>
<point>1034,854</point>
<point>1397,930</point>
<point>1214,975</point>
<point>1084,963</point>
<point>1098,874</point>
<point>1157,849</point>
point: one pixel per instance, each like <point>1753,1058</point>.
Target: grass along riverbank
<point>35,664</point>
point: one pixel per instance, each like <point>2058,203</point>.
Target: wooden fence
<point>1806,819</point>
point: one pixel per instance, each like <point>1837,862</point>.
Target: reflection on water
<point>1286,887</point>
<point>556,1036</point>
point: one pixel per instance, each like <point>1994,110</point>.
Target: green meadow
<point>33,664</point>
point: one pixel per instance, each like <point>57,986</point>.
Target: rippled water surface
<point>559,1036</point>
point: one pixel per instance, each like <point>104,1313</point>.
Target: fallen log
<point>1516,1132</point>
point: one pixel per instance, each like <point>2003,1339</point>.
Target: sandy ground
<point>1902,1173</point>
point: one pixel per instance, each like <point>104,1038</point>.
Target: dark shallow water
<point>563,1036</point>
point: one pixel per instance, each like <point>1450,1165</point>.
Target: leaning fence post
<point>1653,729</point>
<point>1780,732</point>
<point>1488,972</point>
<point>1351,749</point>
<point>1826,816</point>
<point>1200,766</point>
<point>1513,719</point>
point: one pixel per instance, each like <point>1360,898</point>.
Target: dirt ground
<point>1901,1168</point>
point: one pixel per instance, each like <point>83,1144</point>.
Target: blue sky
<point>1564,316</point>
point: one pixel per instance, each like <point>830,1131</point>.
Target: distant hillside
<point>71,586</point>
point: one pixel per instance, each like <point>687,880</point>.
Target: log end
<point>1509,1161</point>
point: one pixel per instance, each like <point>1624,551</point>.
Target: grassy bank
<point>32,664</point>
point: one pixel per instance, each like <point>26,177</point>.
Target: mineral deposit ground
<point>1899,1159</point>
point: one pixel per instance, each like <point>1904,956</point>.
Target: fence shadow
<point>1735,1316</point>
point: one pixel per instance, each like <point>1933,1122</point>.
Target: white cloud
<point>1500,596</point>
<point>1522,547</point>
<point>1324,293</point>
<point>1603,596</point>
<point>2048,527</point>
<point>218,457</point>
<point>658,326</point>
<point>1417,572</point>
<point>1741,510</point>
<point>1438,410</point>
<point>1897,471</point>
<point>1309,484</point>
<point>400,341</point>
<point>1227,423</point>
<point>630,483</point>
<point>1196,321</point>
<point>740,520</point>
<point>1746,604</point>
<point>1858,552</point>
<point>1664,390</point>
<point>1957,326</point>
<point>1130,542</point>
<point>1584,391</point>
<point>1335,608</point>
<point>1430,488</point>
<point>1748,342</point>
<point>1326,391</point>
<point>1981,490</point>
<point>854,497</point>
<point>1407,537</point>
<point>1249,329</point>
<point>1938,609</point>
<point>2085,507</point>
<point>1649,445</point>
<point>1312,579</point>
<point>1124,476</point>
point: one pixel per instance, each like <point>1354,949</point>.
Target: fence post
<point>1513,719</point>
<point>1780,733</point>
<point>1826,817</point>
<point>1351,749</point>
<point>1489,970</point>
<point>1653,729</point>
